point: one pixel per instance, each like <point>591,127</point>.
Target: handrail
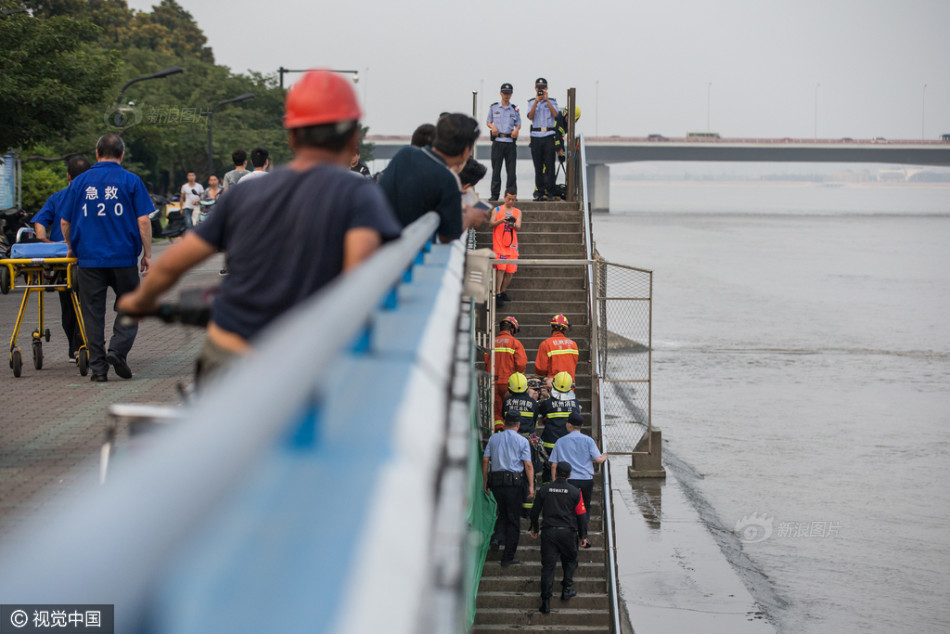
<point>71,563</point>
<point>596,379</point>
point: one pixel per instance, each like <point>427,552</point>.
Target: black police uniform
<point>554,413</point>
<point>564,523</point>
<point>527,407</point>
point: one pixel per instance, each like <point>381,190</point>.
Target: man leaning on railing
<point>337,219</point>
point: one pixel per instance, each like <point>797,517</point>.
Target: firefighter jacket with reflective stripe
<point>556,354</point>
<point>527,407</point>
<point>554,413</point>
<point>509,358</point>
<point>563,507</point>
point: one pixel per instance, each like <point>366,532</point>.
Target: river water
<point>802,383</point>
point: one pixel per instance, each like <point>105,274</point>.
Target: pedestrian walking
<point>557,353</point>
<point>189,199</point>
<point>106,225</point>
<point>504,121</point>
<point>582,453</point>
<point>239,158</point>
<point>506,468</point>
<point>507,357</point>
<point>564,525</point>
<point>48,228</point>
<point>554,412</point>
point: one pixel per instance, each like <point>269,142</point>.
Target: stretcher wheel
<point>46,335</point>
<point>4,280</point>
<point>38,354</point>
<point>83,361</point>
<point>16,361</point>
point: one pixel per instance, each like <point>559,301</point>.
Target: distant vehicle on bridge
<point>702,135</point>
<point>656,137</point>
<point>945,137</point>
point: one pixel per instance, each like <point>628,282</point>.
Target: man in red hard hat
<point>557,353</point>
<point>509,357</point>
<point>318,216</point>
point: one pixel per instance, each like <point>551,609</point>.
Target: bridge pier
<point>598,183</point>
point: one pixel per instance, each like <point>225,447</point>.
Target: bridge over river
<point>602,151</point>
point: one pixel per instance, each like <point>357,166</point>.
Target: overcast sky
<point>639,67</point>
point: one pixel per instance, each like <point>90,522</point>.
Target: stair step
<point>542,627</point>
<point>559,615</point>
<point>527,554</point>
<point>531,600</point>
<point>525,583</point>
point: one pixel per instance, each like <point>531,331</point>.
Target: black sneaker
<point>509,562</point>
<point>505,298</point>
<point>99,378</point>
<point>567,593</point>
<point>545,606</point>
<point>118,363</point>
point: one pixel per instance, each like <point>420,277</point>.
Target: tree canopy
<point>66,62</point>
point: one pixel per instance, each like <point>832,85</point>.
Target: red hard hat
<point>321,96</point>
<point>513,322</point>
<point>560,320</point>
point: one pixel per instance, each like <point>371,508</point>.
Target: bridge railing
<point>320,485</point>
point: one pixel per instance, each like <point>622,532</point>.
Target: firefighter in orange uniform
<point>557,353</point>
<point>510,357</point>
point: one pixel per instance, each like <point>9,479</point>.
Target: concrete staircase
<point>508,598</point>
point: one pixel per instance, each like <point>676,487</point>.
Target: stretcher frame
<point>39,276</point>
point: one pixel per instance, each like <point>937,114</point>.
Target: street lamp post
<point>243,97</point>
<point>708,102</point>
<point>923,113</point>
<point>120,116</point>
<point>817,86</point>
<point>597,108</point>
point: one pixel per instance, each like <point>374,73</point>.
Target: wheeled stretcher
<point>42,266</point>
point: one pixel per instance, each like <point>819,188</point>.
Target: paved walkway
<point>52,421</point>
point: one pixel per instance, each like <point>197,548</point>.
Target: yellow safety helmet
<point>517,383</point>
<point>577,112</point>
<point>563,382</point>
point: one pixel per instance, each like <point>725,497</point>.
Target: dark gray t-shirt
<point>417,181</point>
<point>284,239</point>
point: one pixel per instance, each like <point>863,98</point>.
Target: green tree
<point>51,68</point>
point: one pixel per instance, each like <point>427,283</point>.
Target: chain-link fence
<point>624,347</point>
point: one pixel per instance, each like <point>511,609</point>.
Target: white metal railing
<point>270,416</point>
<point>597,398</point>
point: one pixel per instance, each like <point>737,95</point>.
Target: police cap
<point>540,82</point>
<point>506,88</point>
<point>563,469</point>
<point>575,419</point>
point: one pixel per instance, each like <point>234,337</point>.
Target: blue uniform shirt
<point>579,451</point>
<point>542,118</point>
<point>505,119</point>
<point>102,207</point>
<point>508,451</point>
<point>50,215</point>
